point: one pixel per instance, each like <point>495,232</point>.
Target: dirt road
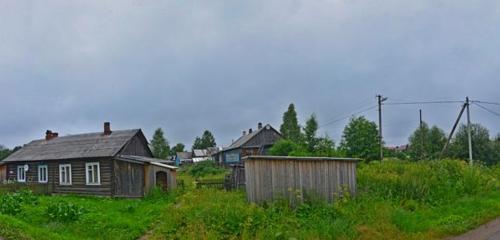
<point>489,231</point>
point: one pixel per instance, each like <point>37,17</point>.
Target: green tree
<point>426,143</point>
<point>310,130</point>
<point>197,144</point>
<point>179,147</point>
<point>290,128</point>
<point>283,148</point>
<point>481,146</point>
<point>159,145</point>
<point>325,147</point>
<point>205,141</point>
<point>360,139</point>
<point>437,139</point>
<point>208,140</point>
<point>4,152</point>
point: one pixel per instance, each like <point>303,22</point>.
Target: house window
<point>42,173</point>
<point>92,173</point>
<point>65,174</point>
<point>21,174</point>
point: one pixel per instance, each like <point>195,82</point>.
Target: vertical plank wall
<point>295,178</point>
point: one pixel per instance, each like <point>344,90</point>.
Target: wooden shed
<point>110,163</point>
<point>271,178</point>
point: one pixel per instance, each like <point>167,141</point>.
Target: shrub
<point>205,168</point>
<point>424,181</point>
<point>64,211</point>
<point>9,205</point>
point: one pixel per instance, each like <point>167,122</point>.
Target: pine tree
<point>290,128</point>
<point>208,140</point>
<point>310,133</point>
<point>160,145</point>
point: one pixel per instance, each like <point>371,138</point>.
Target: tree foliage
<point>290,128</point>
<point>205,141</point>
<point>159,145</point>
<point>310,139</point>
<point>426,143</point>
<point>5,152</point>
<point>360,139</point>
<point>482,147</point>
<point>179,147</point>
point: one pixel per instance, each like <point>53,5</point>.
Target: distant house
<point>110,163</point>
<point>183,157</point>
<point>200,155</point>
<point>256,142</point>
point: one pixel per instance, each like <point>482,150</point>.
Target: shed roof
<point>88,145</point>
<point>200,153</point>
<point>154,161</point>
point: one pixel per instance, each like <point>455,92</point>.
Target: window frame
<point>46,167</point>
<point>66,167</point>
<point>21,167</point>
<point>88,177</point>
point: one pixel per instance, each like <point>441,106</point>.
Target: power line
<point>348,116</point>
<point>486,109</point>
<point>485,102</point>
<point>422,102</point>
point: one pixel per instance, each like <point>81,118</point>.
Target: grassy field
<point>395,200</point>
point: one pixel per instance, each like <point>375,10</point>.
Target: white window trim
<point>87,177</point>
<point>61,166</point>
<point>40,167</point>
<point>21,167</point>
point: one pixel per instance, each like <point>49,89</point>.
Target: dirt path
<point>489,231</point>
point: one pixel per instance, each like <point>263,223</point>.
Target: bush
<point>11,204</point>
<point>64,211</point>
<point>424,181</point>
<point>205,168</point>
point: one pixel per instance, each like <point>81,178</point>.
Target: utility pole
<point>421,136</point>
<point>467,102</point>
<point>453,130</point>
<point>380,139</point>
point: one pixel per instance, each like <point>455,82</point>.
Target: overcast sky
<point>187,66</point>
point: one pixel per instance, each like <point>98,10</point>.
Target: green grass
<point>395,200</point>
<point>105,218</point>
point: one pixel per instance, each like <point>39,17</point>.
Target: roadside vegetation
<point>395,200</point>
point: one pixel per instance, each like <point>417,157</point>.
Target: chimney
<point>48,135</point>
<point>244,133</point>
<point>250,131</point>
<point>107,128</point>
<point>259,126</point>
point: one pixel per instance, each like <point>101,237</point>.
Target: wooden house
<point>253,143</point>
<point>109,163</point>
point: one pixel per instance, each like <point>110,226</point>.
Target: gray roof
<point>89,145</point>
<point>247,137</point>
<point>200,153</point>
<point>167,163</point>
<point>185,155</point>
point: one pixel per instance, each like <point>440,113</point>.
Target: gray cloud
<point>225,65</point>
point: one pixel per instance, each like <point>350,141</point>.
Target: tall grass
<point>396,200</point>
<point>431,182</point>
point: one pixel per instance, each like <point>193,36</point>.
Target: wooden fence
<point>216,183</point>
<point>270,178</point>
<point>37,188</point>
